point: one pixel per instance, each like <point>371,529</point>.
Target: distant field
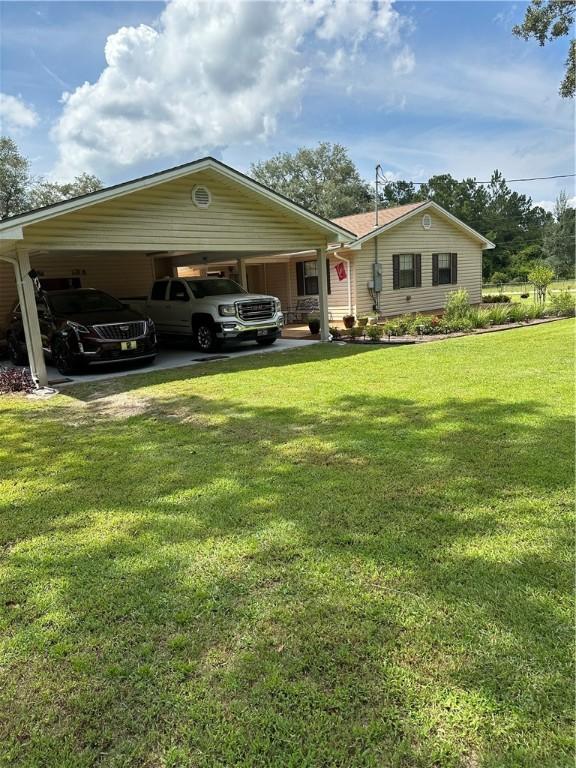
<point>512,288</point>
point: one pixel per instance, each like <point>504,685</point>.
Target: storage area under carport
<point>119,239</point>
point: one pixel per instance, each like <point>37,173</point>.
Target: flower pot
<point>314,326</point>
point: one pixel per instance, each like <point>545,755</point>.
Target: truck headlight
<point>227,310</point>
<point>277,305</point>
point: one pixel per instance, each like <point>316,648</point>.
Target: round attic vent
<point>426,221</point>
<point>201,196</point>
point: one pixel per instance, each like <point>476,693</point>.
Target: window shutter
<point>435,280</point>
<point>417,270</point>
<point>300,278</point>
<point>395,272</point>
<point>454,267</point>
<point>328,276</point>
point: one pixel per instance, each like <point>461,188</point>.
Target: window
<point>307,277</point>
<point>444,268</point>
<point>406,270</point>
<point>178,291</point>
<point>159,290</point>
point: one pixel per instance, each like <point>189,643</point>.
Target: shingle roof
<point>363,223</point>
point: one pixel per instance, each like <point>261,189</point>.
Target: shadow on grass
<point>207,583</point>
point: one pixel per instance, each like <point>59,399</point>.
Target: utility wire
<point>507,181</point>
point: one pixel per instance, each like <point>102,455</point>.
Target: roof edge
<point>160,177</point>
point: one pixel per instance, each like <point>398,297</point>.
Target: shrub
<point>534,311</point>
<point>392,328</point>
<point>496,298</point>
<point>479,318</point>
<point>356,332</point>
<point>15,380</point>
<point>457,304</point>
<point>562,304</point>
<point>499,315</point>
<point>456,325</point>
<point>541,276</point>
<point>524,295</point>
<point>314,324</point>
<point>517,313</point>
<point>375,332</point>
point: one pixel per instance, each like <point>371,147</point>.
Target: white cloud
<point>14,114</point>
<point>549,205</point>
<point>209,74</point>
<point>405,62</point>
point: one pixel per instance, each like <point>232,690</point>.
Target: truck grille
<point>121,331</point>
<point>256,310</point>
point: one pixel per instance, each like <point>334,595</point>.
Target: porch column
<point>27,298</point>
<point>242,273</point>
<point>323,294</point>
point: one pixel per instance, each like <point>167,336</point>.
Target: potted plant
<point>314,324</point>
<point>362,322</point>
<point>348,321</point>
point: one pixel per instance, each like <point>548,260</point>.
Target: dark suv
<point>85,327</point>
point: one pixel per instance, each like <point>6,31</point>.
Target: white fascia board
<point>161,178</point>
<point>14,233</point>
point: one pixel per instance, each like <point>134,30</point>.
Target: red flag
<point>341,270</point>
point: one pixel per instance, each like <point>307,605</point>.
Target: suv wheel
<point>63,358</point>
<point>205,337</point>
<point>17,355</point>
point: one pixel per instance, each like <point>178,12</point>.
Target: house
<point>207,218</point>
<point>423,253</point>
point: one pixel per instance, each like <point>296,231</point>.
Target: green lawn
<point>335,556</point>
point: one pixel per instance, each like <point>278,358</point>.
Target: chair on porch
<point>303,309</point>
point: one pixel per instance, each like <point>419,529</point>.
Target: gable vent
<point>426,221</point>
<point>201,197</point>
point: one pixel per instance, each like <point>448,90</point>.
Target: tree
<point>400,193</point>
<point>558,244</point>
<point>323,179</point>
<point>45,192</point>
<point>14,179</point>
<point>498,279</point>
<point>541,276</point>
<point>548,20</point>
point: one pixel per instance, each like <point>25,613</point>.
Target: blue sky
<point>121,89</point>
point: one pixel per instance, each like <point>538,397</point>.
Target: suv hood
<point>230,298</point>
<point>104,317</point>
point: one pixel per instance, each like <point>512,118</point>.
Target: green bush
<point>392,328</point>
<point>562,304</point>
<point>456,325</point>
<point>517,313</point>
<point>499,315</point>
<point>375,332</point>
<point>534,311</point>
<point>496,298</point>
<point>457,304</point>
<point>479,318</point>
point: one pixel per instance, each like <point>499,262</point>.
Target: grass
<point>515,289</point>
<point>327,557</point>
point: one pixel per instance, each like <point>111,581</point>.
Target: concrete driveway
<point>173,358</point>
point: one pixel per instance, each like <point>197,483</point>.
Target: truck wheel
<point>265,342</point>
<point>205,337</point>
<point>17,355</point>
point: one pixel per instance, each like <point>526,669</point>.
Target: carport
<point>122,237</point>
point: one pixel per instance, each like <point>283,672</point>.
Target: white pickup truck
<point>210,311</point>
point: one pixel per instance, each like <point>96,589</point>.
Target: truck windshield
<point>80,302</point>
<point>214,286</point>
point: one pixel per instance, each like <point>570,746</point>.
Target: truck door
<point>158,306</point>
<point>180,312</point>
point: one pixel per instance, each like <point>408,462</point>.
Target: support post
<point>27,298</point>
<point>242,273</point>
<point>323,294</point>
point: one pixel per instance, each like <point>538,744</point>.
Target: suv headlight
<point>277,305</point>
<point>77,327</point>
<point>227,310</point>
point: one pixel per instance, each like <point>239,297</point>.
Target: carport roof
<point>144,182</point>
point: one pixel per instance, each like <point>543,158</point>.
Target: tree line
<point>326,180</point>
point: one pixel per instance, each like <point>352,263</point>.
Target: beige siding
<point>271,279</point>
<point>164,218</point>
<point>410,237</point>
<point>124,274</point>
<point>338,298</point>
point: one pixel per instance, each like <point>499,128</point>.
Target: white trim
<point>15,233</point>
<point>207,163</point>
<point>357,245</point>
